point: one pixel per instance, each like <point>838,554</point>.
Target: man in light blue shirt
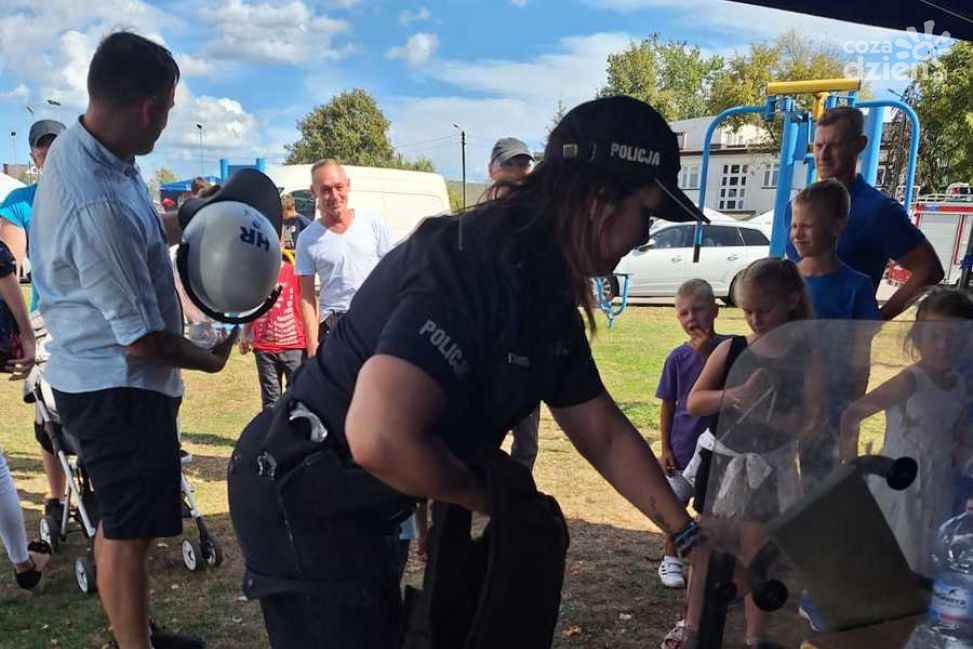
<point>100,263</point>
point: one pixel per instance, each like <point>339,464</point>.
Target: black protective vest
<point>502,589</point>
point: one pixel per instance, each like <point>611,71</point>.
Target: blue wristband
<point>687,538</point>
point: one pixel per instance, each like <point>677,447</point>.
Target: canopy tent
<point>953,16</point>
<point>8,184</point>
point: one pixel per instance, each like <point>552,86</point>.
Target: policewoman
<point>457,335</point>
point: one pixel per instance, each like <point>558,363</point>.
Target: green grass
<point>612,597</point>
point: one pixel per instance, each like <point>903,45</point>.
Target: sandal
<point>30,578</point>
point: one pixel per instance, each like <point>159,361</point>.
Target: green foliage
<point>455,198</point>
<point>672,76</point>
<point>421,164</point>
<point>556,118</point>
<point>789,57</point>
<point>160,177</point>
<point>353,130</point>
<point>946,117</point>
<point>165,175</point>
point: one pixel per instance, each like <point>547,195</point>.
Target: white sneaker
<point>670,573</point>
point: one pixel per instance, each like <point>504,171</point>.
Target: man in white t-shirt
<point>341,247</point>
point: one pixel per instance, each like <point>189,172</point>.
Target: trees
<point>160,177</point>
<point>672,76</point>
<point>789,57</point>
<point>350,129</point>
<point>353,130</point>
<point>681,82</point>
<point>943,106</point>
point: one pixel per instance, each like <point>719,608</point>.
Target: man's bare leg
<point>123,585</point>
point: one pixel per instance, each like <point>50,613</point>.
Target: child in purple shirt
<point>696,310</point>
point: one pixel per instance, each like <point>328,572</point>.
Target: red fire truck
<point>946,220</point>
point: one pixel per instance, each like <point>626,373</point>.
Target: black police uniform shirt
<point>486,311</point>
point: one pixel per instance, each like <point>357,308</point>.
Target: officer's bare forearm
<point>605,438</point>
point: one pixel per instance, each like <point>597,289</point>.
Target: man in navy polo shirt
<point>878,227</point>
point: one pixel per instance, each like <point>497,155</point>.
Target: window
<point>680,236</point>
<point>880,178</point>
<point>753,237</point>
<point>717,236</point>
<point>689,177</point>
<point>733,187</point>
<point>771,174</point>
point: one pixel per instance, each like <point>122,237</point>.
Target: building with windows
<point>743,167</point>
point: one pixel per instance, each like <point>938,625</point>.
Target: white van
<point>402,198</point>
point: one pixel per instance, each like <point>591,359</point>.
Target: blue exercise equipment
<point>605,296</point>
<point>797,134</point>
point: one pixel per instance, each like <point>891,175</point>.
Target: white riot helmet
<point>230,256</point>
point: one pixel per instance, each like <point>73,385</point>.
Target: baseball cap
<point>630,138</point>
<point>43,127</point>
<point>508,148</point>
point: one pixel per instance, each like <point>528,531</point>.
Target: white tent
<point>7,185</point>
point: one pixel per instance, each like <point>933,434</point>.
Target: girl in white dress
<point>926,418</point>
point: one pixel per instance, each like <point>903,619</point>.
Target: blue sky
<point>251,68</point>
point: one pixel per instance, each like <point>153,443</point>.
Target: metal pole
<point>463,143</point>
<point>200,127</point>
<point>13,147</point>
<point>910,114</point>
<point>870,156</point>
<point>462,139</point>
<point>785,177</point>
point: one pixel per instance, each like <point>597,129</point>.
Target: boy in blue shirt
<point>837,292</point>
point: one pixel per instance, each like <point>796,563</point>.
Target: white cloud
<point>193,66</point>
<point>520,4</point>
<point>573,72</point>
<point>518,99</point>
<point>430,120</point>
<point>53,61</point>
<point>407,17</point>
<point>418,49</point>
<point>20,93</point>
<point>263,32</point>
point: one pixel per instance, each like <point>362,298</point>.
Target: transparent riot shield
<point>838,452</point>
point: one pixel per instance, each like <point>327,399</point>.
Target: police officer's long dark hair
<point>553,204</point>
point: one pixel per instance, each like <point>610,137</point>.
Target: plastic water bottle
<point>949,623</point>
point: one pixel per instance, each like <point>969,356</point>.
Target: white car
<point>666,261</point>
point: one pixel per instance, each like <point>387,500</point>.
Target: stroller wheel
<point>50,530</point>
<point>84,573</point>
<point>192,555</point>
<point>212,553</point>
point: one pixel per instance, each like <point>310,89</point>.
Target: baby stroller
<point>80,512</point>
